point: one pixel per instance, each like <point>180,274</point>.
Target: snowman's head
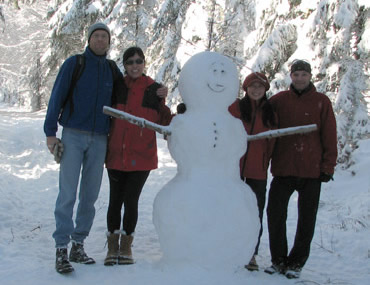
<point>208,80</point>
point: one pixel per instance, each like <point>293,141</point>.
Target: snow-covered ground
<point>29,186</point>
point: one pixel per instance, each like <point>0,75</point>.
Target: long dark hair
<point>268,117</point>
<point>131,51</point>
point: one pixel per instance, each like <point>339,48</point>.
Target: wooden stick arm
<point>165,130</point>
<point>283,132</point>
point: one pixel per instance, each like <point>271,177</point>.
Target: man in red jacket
<point>299,163</point>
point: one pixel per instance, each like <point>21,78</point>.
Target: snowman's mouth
<point>216,87</point>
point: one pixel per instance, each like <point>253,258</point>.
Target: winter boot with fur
<point>113,248</point>
<point>79,255</point>
<point>62,264</point>
<point>125,253</point>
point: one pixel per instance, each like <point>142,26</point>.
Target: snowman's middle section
<point>212,144</point>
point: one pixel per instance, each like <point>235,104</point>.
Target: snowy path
<point>28,189</point>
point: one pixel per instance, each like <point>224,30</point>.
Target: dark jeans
<point>259,188</point>
<point>125,188</point>
<point>308,199</point>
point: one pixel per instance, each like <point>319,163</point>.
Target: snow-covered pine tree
<point>352,112</point>
<point>163,47</point>
<point>2,19</point>
<point>239,21</point>
<point>343,70</point>
<point>19,47</point>
<point>35,83</point>
<point>129,22</point>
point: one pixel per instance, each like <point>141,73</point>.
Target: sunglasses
<point>137,61</point>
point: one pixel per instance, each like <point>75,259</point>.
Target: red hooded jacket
<point>308,154</point>
<point>255,162</point>
<point>131,148</point>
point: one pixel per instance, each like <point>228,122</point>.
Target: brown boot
<point>113,249</point>
<point>125,253</point>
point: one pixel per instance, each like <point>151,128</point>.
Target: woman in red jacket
<point>257,115</point>
<point>132,152</point>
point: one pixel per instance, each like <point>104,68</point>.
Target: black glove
<point>325,177</point>
<point>181,108</point>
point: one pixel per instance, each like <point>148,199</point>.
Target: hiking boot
<point>79,255</point>
<point>276,268</point>
<point>62,264</point>
<point>113,249</point>
<point>293,272</point>
<point>125,253</point>
<point>252,265</point>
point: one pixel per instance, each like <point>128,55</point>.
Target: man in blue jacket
<point>84,138</point>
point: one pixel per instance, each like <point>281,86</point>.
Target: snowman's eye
<point>222,71</point>
<point>214,70</point>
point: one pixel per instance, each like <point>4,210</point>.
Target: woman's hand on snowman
<point>162,92</point>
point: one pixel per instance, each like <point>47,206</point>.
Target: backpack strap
<point>79,68</point>
<point>114,68</point>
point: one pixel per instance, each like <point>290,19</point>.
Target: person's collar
<point>257,104</point>
<point>300,92</point>
<point>89,50</point>
<point>130,81</point>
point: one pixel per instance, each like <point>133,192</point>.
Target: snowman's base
<point>213,226</point>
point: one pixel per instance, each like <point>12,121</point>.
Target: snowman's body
<point>206,215</point>
<point>217,135</point>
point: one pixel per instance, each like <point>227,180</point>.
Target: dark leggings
<point>259,188</point>
<point>125,189</point>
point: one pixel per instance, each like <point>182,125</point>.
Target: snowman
<point>206,215</point>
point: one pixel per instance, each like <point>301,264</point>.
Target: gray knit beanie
<point>95,27</point>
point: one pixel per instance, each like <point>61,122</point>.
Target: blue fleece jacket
<point>92,91</point>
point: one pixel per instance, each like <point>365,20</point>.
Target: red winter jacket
<point>308,154</point>
<point>255,162</point>
<point>131,148</point>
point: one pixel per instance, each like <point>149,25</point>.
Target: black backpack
<point>77,72</point>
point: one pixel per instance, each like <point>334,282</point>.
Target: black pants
<point>259,188</point>
<point>125,188</point>
<point>308,199</point>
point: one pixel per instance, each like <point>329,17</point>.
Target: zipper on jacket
<point>97,96</point>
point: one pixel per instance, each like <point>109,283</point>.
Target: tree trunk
<point>16,5</point>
